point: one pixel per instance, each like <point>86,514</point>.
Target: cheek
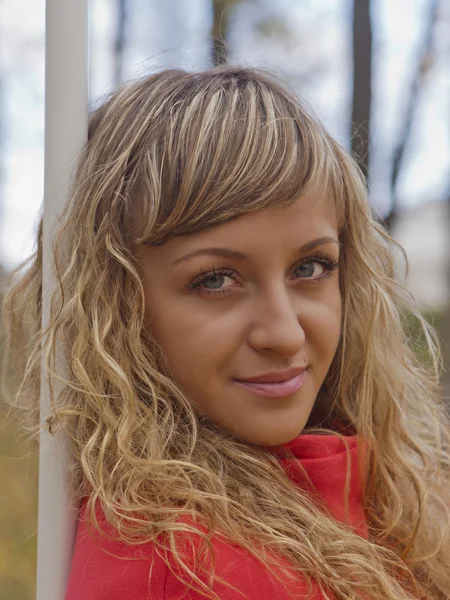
<point>195,343</point>
<point>335,324</point>
<point>323,323</point>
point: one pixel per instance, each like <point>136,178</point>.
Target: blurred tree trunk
<point>445,325</point>
<point>2,134</point>
<point>219,33</point>
<point>362,75</point>
<point>220,26</point>
<point>119,43</point>
<point>424,62</point>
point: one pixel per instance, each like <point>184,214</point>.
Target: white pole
<point>66,112</point>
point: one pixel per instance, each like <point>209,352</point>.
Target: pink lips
<point>280,389</point>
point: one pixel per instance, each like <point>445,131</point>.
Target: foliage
<point>435,318</point>
<point>18,514</point>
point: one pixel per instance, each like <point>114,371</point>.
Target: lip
<point>274,377</point>
<point>280,389</point>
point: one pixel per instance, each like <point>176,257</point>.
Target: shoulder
<point>112,570</point>
<point>103,569</point>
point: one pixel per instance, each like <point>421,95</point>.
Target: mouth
<point>275,376</point>
<point>275,389</point>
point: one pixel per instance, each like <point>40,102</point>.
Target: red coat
<point>95,575</point>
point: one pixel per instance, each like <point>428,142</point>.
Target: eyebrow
<point>240,256</point>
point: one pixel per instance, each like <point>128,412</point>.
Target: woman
<point>246,413</point>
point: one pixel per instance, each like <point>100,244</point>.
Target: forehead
<point>263,232</point>
<point>312,213</point>
<point>311,210</point>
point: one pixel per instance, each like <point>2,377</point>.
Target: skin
<point>271,320</point>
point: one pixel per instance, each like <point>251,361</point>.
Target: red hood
<point>108,569</point>
<point>324,459</point>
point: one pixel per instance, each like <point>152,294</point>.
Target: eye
<point>327,266</point>
<point>216,277</point>
<point>211,282</point>
<point>310,267</point>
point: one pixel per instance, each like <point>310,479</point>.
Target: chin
<point>272,438</point>
<point>279,441</point>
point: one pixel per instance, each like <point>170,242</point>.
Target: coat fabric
<point>97,575</point>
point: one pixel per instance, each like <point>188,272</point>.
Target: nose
<point>275,323</point>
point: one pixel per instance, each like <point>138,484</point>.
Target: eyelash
<point>327,261</point>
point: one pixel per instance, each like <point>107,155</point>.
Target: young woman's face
<point>275,306</point>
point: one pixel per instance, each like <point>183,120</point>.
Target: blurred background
<point>377,74</point>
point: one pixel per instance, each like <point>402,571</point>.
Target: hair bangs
<point>228,146</point>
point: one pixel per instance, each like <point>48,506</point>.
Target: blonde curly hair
<point>171,154</point>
